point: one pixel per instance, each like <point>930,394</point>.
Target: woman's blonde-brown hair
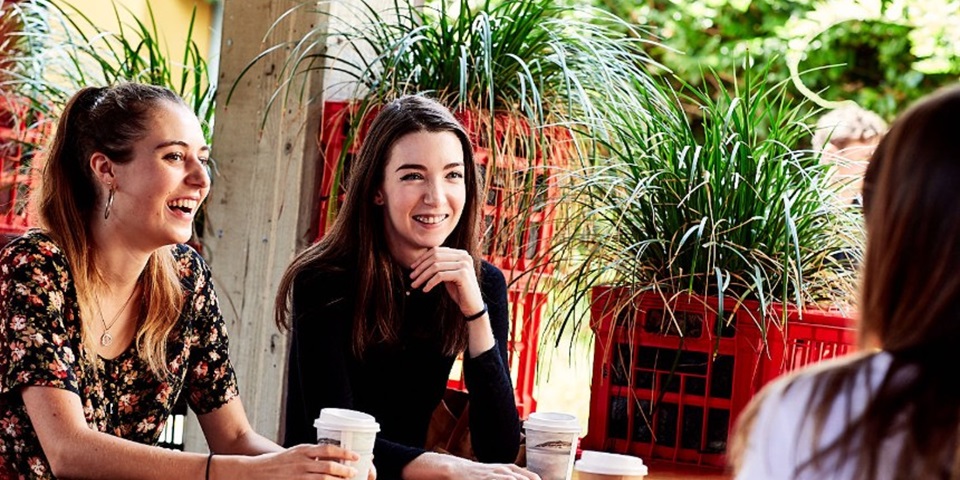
<point>108,120</point>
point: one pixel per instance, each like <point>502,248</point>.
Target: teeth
<point>184,203</point>
<point>430,219</point>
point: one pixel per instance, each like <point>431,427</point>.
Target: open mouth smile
<point>184,205</point>
<point>430,219</point>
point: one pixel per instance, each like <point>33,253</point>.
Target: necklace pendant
<point>106,339</point>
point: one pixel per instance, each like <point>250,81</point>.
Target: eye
<point>412,176</point>
<point>456,174</point>
<point>204,160</point>
<point>174,156</point>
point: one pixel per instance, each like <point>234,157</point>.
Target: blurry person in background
<point>846,137</point>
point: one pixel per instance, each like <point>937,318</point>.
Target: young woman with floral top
<point>394,292</point>
<point>106,319</point>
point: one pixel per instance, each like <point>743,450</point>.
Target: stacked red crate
<point>19,136</point>
<point>671,387</point>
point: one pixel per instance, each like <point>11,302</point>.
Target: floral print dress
<point>41,345</point>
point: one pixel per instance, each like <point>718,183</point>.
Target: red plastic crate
<point>657,394</point>
<point>18,161</point>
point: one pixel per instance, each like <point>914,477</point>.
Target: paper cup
<point>609,466</point>
<point>352,430</point>
<point>551,444</point>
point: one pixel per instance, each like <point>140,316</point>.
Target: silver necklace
<point>106,339</point>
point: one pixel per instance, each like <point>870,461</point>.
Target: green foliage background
<point>882,54</point>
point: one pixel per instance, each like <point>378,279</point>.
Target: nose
<point>434,193</point>
<point>199,173</point>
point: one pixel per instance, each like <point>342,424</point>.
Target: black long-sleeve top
<point>399,384</point>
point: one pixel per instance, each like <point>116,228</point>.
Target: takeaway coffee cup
<point>551,444</point>
<point>351,430</point>
<point>609,466</point>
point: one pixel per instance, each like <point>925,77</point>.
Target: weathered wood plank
<point>260,207</point>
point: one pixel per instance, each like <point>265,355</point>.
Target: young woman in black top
<point>381,307</point>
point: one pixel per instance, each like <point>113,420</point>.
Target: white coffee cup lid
<point>348,420</point>
<point>610,464</point>
<point>554,422</point>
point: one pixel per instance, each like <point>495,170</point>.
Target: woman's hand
<point>453,268</point>
<point>436,466</point>
<point>505,471</point>
<point>321,462</point>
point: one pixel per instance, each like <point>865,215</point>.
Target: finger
<point>439,258</point>
<point>330,469</point>
<point>453,277</point>
<point>329,452</point>
<point>526,474</point>
<point>457,268</point>
<point>424,257</point>
<point>514,472</point>
<point>441,254</point>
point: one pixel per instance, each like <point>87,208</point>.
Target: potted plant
<point>524,76</point>
<point>62,50</point>
<point>698,244</point>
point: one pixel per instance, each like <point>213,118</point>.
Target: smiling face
<point>423,192</point>
<point>160,190</point>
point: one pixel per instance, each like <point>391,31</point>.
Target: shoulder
<point>192,269</point>
<point>490,275</point>
<point>802,386</point>
<point>323,278</point>
<point>863,370</point>
<point>789,410</point>
<point>786,402</point>
<point>33,248</point>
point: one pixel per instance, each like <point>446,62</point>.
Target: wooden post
<point>260,207</point>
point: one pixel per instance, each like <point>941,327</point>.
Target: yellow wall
<point>172,16</point>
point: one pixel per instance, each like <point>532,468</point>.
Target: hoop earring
<point>106,211</point>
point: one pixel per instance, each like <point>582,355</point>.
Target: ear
<point>102,168</point>
<point>378,198</point>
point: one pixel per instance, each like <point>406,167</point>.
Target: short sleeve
<point>35,347</point>
<point>211,381</point>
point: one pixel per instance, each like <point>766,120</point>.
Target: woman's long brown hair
<point>108,120</point>
<point>357,240</point>
<point>910,301</point>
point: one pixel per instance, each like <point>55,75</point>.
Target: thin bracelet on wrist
<point>206,476</point>
<point>477,315</point>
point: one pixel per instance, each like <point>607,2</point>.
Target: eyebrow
<point>180,143</point>
<point>414,166</point>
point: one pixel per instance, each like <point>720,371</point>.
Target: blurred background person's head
<point>847,136</point>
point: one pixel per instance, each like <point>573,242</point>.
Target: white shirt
<point>781,437</point>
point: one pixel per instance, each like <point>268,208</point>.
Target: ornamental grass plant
<point>62,50</point>
<point>549,67</point>
<point>720,202</point>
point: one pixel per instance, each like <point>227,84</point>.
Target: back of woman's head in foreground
<point>910,300</point>
<point>358,239</point>
<point>911,281</point>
